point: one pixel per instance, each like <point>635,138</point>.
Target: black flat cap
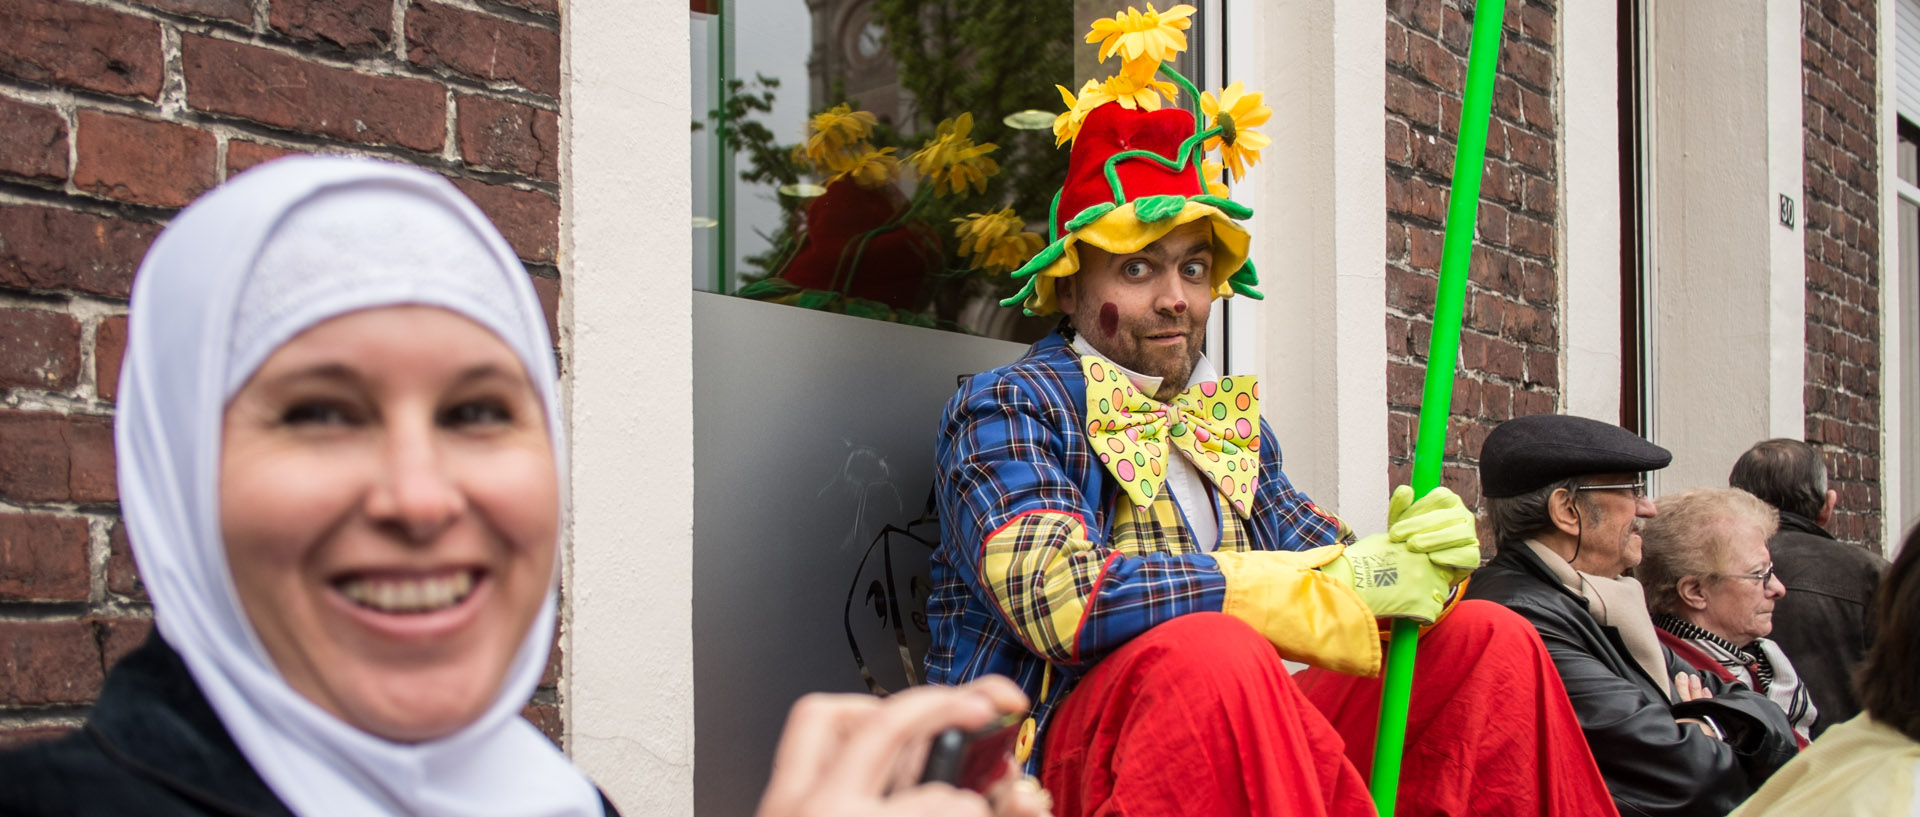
<point>1525,453</point>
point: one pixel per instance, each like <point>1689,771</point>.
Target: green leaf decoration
<point>1244,280</point>
<point>1090,215</point>
<point>1234,210</point>
<point>1042,259</point>
<point>1158,208</point>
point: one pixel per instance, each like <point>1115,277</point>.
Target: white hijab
<point>248,266</point>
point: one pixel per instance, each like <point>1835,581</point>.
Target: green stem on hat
<point>1053,215</point>
<point>1186,157</point>
<point>1185,85</point>
<point>1442,352</point>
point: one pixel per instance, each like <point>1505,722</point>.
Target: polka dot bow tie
<point>1215,424</point>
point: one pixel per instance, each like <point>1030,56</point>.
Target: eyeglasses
<point>1764,576</point>
<point>1638,487</point>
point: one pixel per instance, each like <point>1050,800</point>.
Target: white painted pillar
<point>626,329</point>
<point>1590,219</point>
<point>1319,239</point>
<point>1728,284</point>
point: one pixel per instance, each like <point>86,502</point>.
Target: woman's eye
<point>317,414</point>
<point>477,412</point>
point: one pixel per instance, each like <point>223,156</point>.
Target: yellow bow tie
<point>1215,424</point>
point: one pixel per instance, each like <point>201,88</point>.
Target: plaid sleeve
<point>1017,523</point>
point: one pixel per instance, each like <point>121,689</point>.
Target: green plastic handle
<point>1457,253</point>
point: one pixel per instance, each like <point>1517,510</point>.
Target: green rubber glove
<point>1407,572</point>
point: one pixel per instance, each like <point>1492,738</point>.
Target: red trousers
<point>1199,717</point>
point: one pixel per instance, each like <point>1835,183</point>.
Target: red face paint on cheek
<point>1109,319</point>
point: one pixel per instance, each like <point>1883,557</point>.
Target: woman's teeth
<point>424,595</point>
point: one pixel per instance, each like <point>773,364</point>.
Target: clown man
<point>1121,541</point>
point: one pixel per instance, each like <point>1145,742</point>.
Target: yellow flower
<point>1238,113</point>
<point>952,158</point>
<point>836,136</point>
<point>996,242</point>
<point>1067,125</point>
<point>1134,86</point>
<point>1155,35</point>
<point>1211,170</point>
<point>871,168</point>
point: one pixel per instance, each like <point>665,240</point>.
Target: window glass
<point>880,158</point>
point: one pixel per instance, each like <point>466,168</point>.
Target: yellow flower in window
<point>871,168</point>
<point>1067,125</point>
<point>1155,35</point>
<point>1211,171</point>
<point>1135,88</point>
<point>836,136</point>
<point>1236,113</point>
<point>951,159</point>
<point>996,242</point>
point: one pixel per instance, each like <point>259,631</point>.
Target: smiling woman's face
<point>390,509</point>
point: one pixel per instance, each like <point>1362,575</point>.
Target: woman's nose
<point>415,495</point>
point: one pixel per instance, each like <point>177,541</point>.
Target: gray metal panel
<point>812,431</point>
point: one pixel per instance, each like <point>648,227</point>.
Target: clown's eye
<point>1136,269</point>
<point>1194,270</point>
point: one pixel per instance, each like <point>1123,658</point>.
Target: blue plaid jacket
<point>1022,493</point>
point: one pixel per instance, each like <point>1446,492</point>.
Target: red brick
<point>48,662</point>
<point>33,141</point>
<point>503,135</point>
<point>123,576</point>
<point>1398,147</point>
<point>529,219</point>
<point>1421,106</point>
<point>546,718</point>
<point>239,11</point>
<point>109,348</point>
<point>39,349</point>
<point>1423,249</point>
<point>483,47</point>
<point>355,26</point>
<point>243,155</point>
<point>144,161</point>
<point>288,92</point>
<point>56,457</point>
<point>80,46</point>
<point>1419,15</point>
<point>43,558</point>
<point>1433,63</point>
<point>42,248</point>
<point>119,636</point>
<point>15,737</point>
<point>549,7</point>
<point>548,289</point>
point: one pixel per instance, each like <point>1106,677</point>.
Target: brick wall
<point>116,113</point>
<point>1510,332</point>
<point>1842,203</point>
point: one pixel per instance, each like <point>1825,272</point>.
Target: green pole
<point>1457,252</point>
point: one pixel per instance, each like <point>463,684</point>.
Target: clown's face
<point>1146,310</point>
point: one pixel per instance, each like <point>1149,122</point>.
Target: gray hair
<point>1514,518</point>
<point>1691,536</point>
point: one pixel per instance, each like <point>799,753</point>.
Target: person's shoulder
<point>1510,581</point>
<point>1042,373</point>
<point>1801,551</point>
<point>70,775</point>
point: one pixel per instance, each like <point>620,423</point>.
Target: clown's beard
<point>1128,344</point>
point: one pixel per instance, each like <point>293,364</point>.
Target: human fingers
<point>933,800</point>
<point>816,727</point>
<point>1018,795</point>
<point>1005,695</point>
<point>882,749</point>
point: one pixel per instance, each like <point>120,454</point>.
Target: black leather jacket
<point>1652,764</point>
<point>151,746</point>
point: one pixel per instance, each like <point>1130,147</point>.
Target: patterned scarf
<point>1722,650</point>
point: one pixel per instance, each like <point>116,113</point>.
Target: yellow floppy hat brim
<point>1121,230</point>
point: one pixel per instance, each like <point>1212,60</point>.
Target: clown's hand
<point>1439,525</point>
<point>1407,572</point>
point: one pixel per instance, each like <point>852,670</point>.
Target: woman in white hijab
<point>343,475</point>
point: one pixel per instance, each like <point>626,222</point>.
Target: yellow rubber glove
<point>1407,572</point>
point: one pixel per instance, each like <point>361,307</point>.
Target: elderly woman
<point>1711,588</point>
<point>343,473</point>
<point>1866,767</point>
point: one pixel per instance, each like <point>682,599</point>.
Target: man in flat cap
<point>1564,498</point>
